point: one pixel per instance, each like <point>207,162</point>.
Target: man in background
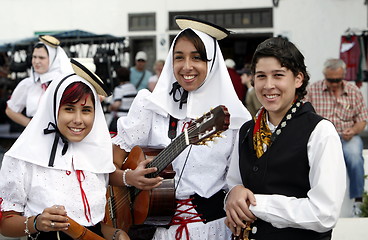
<point>342,103</point>
<point>139,75</point>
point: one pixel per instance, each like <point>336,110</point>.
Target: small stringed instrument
<point>77,231</point>
<point>132,206</point>
<point>244,233</point>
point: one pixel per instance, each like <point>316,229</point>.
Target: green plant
<point>364,206</point>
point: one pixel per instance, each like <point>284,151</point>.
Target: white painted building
<point>315,26</point>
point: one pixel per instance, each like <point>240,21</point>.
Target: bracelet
<point>35,222</point>
<point>27,232</point>
<point>115,234</point>
<point>124,177</point>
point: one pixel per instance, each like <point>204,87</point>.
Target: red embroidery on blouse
<point>81,177</point>
<point>87,210</point>
<point>68,172</point>
<point>183,221</point>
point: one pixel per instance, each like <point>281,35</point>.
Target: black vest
<point>283,169</point>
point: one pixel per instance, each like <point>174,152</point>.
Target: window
<point>142,22</point>
<point>239,18</point>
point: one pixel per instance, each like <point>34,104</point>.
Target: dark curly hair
<point>288,56</point>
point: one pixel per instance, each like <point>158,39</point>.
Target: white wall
<point>315,26</point>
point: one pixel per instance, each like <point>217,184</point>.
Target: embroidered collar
<point>288,116</point>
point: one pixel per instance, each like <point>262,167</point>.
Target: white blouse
<point>27,95</point>
<point>327,177</point>
<point>29,188</point>
<point>204,167</point>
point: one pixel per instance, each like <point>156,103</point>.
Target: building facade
<point>315,26</point>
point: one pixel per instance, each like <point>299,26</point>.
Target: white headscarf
<point>217,89</point>
<point>59,64</point>
<point>93,153</point>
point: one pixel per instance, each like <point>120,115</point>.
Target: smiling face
<point>40,60</point>
<point>189,69</point>
<point>75,120</point>
<point>275,87</point>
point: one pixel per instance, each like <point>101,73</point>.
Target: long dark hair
<point>288,55</point>
<point>196,40</point>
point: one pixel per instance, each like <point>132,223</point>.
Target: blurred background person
<point>123,97</point>
<point>250,101</point>
<point>342,103</point>
<point>49,62</point>
<point>139,75</point>
<point>152,81</point>
<point>235,79</point>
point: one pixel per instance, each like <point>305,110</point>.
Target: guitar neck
<point>79,232</point>
<point>166,156</point>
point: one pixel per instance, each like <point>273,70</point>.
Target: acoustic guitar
<point>132,206</point>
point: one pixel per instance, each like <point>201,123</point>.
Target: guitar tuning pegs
<point>203,143</point>
<point>218,135</point>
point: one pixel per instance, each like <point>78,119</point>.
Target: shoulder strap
<point>172,127</point>
<point>140,80</point>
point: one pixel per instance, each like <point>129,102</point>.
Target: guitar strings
<point>122,199</point>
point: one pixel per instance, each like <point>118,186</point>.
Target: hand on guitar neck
<point>79,232</point>
<point>55,219</point>
<point>137,177</point>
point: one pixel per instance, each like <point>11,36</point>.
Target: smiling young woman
<point>63,157</point>
<point>194,79</point>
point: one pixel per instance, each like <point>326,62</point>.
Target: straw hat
<point>91,77</point>
<point>49,40</point>
<point>203,26</point>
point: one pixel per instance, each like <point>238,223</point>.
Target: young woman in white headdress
<point>49,61</point>
<point>59,166</point>
<point>194,80</point>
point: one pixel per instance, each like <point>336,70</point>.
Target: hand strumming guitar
<point>237,208</point>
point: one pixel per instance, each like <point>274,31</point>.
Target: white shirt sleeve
<point>118,94</point>
<point>14,184</point>
<point>321,209</point>
<point>135,128</point>
<point>18,99</point>
<point>233,176</point>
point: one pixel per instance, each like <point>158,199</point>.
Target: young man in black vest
<point>287,173</point>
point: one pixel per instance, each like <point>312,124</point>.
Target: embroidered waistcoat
<point>283,169</point>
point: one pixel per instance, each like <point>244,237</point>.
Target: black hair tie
<point>183,94</point>
<point>56,140</point>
